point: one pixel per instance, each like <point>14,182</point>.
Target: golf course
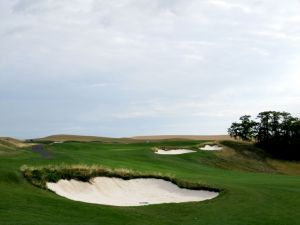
<point>149,112</point>
<point>252,187</point>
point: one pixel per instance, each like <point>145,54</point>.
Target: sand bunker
<point>173,151</point>
<point>134,192</point>
<point>211,148</point>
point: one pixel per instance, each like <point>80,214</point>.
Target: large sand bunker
<point>173,151</point>
<point>211,148</point>
<point>134,192</point>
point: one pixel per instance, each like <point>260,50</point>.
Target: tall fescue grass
<point>39,176</point>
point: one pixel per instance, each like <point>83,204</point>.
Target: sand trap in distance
<point>134,192</point>
<point>173,151</point>
<point>211,148</point>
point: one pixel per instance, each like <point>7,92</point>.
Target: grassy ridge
<point>247,157</point>
<point>11,146</point>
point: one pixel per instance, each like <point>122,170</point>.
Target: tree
<point>243,130</point>
<point>276,132</point>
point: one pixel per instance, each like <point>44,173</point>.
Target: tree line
<point>276,132</point>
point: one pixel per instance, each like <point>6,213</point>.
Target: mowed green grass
<point>249,198</point>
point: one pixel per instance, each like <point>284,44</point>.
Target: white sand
<point>173,152</point>
<point>134,192</point>
<point>211,148</point>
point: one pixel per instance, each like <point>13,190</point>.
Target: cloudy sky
<point>136,67</point>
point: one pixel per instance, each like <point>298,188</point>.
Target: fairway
<point>254,194</point>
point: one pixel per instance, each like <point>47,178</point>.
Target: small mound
<point>211,148</point>
<point>173,151</point>
<point>134,192</point>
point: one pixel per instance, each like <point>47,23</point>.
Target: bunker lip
<point>173,151</point>
<point>211,148</point>
<point>134,192</point>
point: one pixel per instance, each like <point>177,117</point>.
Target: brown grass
<point>285,167</point>
<point>80,138</point>
<point>13,143</point>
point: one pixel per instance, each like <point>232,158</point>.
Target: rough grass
<point>13,143</point>
<point>11,146</point>
<point>285,167</point>
<point>39,176</point>
<point>240,156</point>
<point>248,157</point>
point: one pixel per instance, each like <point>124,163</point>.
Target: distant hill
<point>9,142</point>
<point>80,138</point>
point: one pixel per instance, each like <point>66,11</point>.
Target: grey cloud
<point>13,31</point>
<point>131,67</point>
<point>23,5</point>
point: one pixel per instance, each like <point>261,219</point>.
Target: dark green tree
<point>243,130</point>
<point>276,132</point>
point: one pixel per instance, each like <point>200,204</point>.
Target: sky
<point>122,68</point>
